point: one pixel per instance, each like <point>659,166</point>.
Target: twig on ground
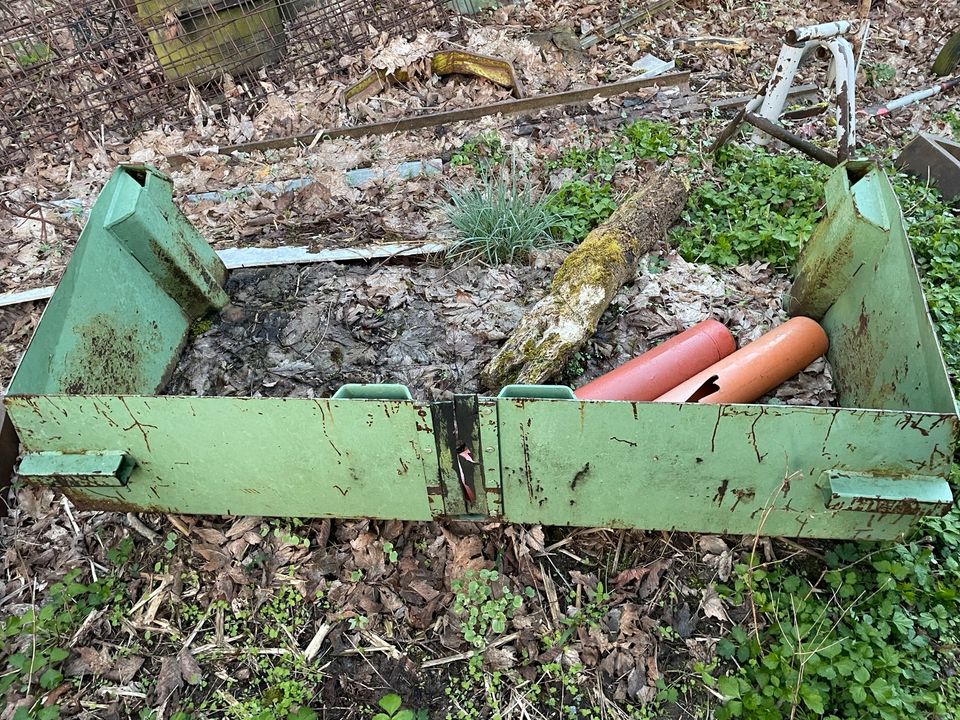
<point>550,589</point>
<point>801,548</point>
<point>313,647</point>
<point>73,523</point>
<point>137,525</point>
<point>469,654</point>
<point>179,525</point>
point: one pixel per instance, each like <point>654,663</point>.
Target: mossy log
<point>557,326</point>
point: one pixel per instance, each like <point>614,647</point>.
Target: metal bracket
<point>461,469</point>
<point>764,110</point>
<point>372,391</point>
<point>911,495</point>
<point>77,470</point>
<point>538,392</point>
<point>936,158</point>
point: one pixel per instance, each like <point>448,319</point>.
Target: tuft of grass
<point>499,219</point>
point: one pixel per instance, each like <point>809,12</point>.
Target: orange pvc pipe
<point>666,366</point>
<point>757,368</point>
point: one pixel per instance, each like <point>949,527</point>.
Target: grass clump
<point>499,219</point>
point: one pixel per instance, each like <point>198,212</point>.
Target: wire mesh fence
<point>86,64</point>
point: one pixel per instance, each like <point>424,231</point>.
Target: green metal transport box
<point>90,422</point>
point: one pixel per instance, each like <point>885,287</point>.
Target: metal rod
<point>887,108</point>
<point>824,31</point>
<point>628,22</point>
<point>247,257</point>
<point>504,107</point>
<point>780,133</point>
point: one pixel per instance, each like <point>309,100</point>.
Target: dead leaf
<point>211,535</point>
<point>88,660</point>
<point>712,544</point>
<point>189,667</point>
<point>169,679</point>
<point>499,658</point>
<point>466,554</point>
<point>712,605</point>
<point>244,525</point>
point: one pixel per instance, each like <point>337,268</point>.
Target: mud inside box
<point>303,331</point>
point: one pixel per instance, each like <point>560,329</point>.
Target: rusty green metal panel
<point>112,325</point>
<point>726,468</point>
<point>244,456</point>
<point>83,394</point>
<point>857,276</point>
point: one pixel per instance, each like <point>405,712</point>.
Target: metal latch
<point>909,495</point>
<point>460,457</point>
<point>67,470</point>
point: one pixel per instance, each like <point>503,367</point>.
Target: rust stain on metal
<point>882,506</point>
<point>716,426</point>
<point>107,359</point>
<point>116,503</point>
<point>753,435</point>
<point>526,461</point>
<point>721,492</point>
<point>581,474</point>
<point>137,424</point>
<point>743,495</point>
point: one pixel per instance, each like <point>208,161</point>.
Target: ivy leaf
<point>57,654</point>
<point>725,648</point>
<point>390,703</point>
<point>903,623</point>
<point>50,679</point>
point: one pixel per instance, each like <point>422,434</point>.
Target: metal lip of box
<point>84,403</point>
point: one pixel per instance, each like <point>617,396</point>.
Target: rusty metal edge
<point>9,449</point>
<point>504,107</point>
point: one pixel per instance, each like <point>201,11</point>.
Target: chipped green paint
<point>533,454</point>
<point>139,276</point>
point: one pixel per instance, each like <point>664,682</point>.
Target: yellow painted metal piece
<point>197,45</point>
<point>496,70</point>
<point>445,62</point>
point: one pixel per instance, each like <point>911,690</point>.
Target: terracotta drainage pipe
<point>757,368</point>
<point>666,366</point>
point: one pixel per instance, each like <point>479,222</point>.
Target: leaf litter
<point>194,618</point>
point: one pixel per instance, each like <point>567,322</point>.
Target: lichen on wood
<point>557,326</point>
